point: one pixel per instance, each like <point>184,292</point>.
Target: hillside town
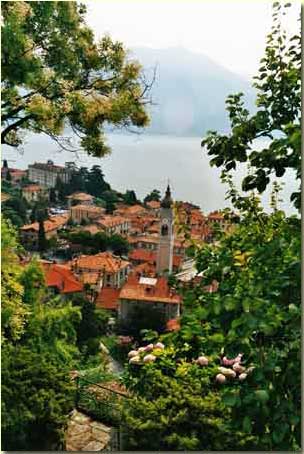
<point>117,281</point>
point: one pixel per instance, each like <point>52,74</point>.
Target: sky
<point>231,32</point>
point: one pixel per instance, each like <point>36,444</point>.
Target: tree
<point>154,195</point>
<point>92,326</point>
<point>277,118</point>
<point>118,245</point>
<point>42,242</point>
<point>53,196</point>
<point>255,310</point>
<point>38,351</point>
<point>96,184</point>
<point>130,198</point>
<point>8,176</point>
<point>54,74</point>
<point>15,209</point>
<point>143,318</point>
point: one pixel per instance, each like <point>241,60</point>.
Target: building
<point>17,175</point>
<point>139,256</point>
<point>46,174</point>
<point>108,299</point>
<point>80,198</point>
<point>79,213</point>
<point>34,192</point>
<point>60,280</point>
<point>29,233</point>
<point>114,225</point>
<point>151,242</point>
<point>142,291</point>
<point>107,269</point>
<point>166,240</point>
<point>154,206</point>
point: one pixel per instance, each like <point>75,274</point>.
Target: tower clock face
<point>165,221</point>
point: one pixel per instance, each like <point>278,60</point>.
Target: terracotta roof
<point>144,255</point>
<point>61,277</point>
<point>108,298</point>
<point>215,215</point>
<point>88,208</point>
<point>135,209</point>
<point>146,269</point>
<point>93,229</point>
<point>104,261</point>
<point>160,292</point>
<point>154,204</point>
<point>82,196</point>
<point>32,188</point>
<point>51,224</point>
<point>111,221</point>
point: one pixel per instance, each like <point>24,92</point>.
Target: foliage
<point>42,242</point>
<point>93,324</point>
<point>154,195</point>
<point>38,351</point>
<point>99,242</point>
<point>142,318</point>
<point>54,75</point>
<point>176,405</point>
<point>36,397</point>
<point>15,208</point>
<point>13,311</point>
<point>130,198</point>
<point>277,118</point>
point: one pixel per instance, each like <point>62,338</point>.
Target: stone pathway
<point>85,434</point>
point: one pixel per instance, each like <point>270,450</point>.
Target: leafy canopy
<point>55,76</point>
<point>277,118</point>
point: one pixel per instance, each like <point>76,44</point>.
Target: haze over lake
<point>144,162</point>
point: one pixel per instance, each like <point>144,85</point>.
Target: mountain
<point>189,91</point>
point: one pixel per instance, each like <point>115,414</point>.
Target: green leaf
<point>247,424</point>
<point>262,395</point>
<point>230,399</point>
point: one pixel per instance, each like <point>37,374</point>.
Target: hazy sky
<point>231,32</point>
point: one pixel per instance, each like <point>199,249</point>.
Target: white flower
<point>132,353</point>
<point>220,378</point>
<point>149,358</point>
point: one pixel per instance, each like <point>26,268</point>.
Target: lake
<point>144,162</point>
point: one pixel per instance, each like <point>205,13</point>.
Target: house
<point>34,192</point>
<point>142,291</point>
<point>60,280</point>
<point>46,174</point>
<point>131,211</point>
<point>154,206</point>
<point>29,232</point>
<point>16,174</point>
<point>106,269</point>
<point>80,198</point>
<point>107,299</point>
<point>151,242</point>
<point>79,213</point>
<point>139,256</point>
<point>114,225</point>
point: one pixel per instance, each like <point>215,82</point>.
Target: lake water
<point>144,162</point>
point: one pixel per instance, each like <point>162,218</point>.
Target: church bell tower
<point>166,235</point>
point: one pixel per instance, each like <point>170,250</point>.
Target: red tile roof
<point>144,255</point>
<point>99,262</point>
<point>154,204</point>
<point>51,224</point>
<point>108,298</point>
<point>61,277</point>
<point>160,292</point>
<point>82,196</point>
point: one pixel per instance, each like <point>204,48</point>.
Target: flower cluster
<point>236,370</point>
<point>145,355</point>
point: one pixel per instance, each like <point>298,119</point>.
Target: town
<point>120,255</point>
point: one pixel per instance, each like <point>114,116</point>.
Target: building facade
<point>46,174</point>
